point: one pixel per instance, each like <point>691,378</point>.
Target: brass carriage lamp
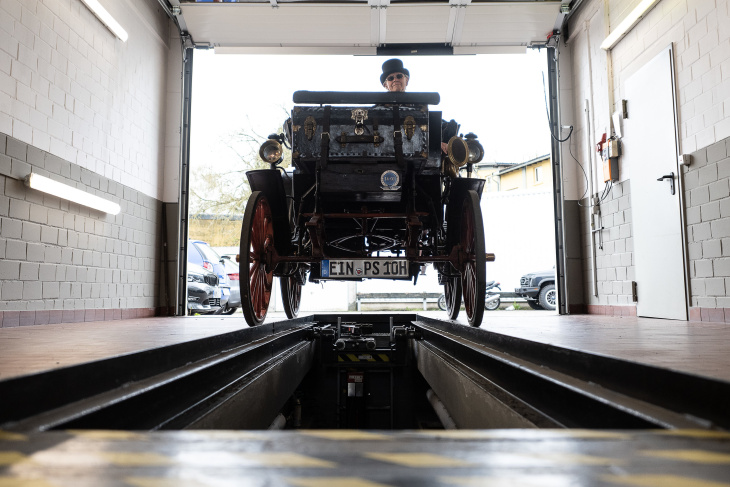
<point>271,152</point>
<point>463,151</point>
<point>475,149</point>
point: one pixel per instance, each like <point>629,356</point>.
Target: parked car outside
<point>538,288</point>
<point>204,294</point>
<point>234,302</point>
<point>200,253</point>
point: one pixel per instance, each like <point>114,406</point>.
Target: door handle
<point>670,177</point>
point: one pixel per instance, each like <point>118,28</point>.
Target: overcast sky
<point>499,97</point>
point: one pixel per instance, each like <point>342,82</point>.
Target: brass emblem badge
<point>359,115</point>
<point>409,126</point>
<point>310,127</point>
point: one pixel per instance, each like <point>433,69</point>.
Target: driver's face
<point>396,82</point>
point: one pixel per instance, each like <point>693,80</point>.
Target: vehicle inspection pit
<point>403,371</point>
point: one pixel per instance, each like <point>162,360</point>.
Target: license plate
<point>370,268</point>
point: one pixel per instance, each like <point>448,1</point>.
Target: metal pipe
<point>591,215</point>
<point>446,420</point>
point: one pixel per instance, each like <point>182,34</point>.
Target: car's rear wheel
<point>257,243</point>
<point>492,305</point>
<point>474,272</point>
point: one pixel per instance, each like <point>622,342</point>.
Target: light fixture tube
<point>46,185</point>
<point>106,19</point>
<point>630,21</point>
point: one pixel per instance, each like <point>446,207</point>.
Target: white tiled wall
<point>79,105</point>
<point>70,87</point>
<point>699,30</point>
<point>700,33</point>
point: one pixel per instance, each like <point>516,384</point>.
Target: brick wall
<point>63,262</point>
<point>614,262</point>
<point>70,87</point>
<point>700,34</point>
<point>82,106</point>
<point>707,205</point>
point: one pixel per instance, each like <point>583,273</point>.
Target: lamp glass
<point>106,19</point>
<point>47,185</point>
<point>631,20</point>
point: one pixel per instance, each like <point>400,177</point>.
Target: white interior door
<point>651,153</point>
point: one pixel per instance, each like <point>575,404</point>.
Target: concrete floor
<point>347,458</point>
<point>699,348</point>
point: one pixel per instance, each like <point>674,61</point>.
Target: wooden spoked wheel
<point>474,271</point>
<point>257,244</point>
<point>291,293</point>
<point>452,292</point>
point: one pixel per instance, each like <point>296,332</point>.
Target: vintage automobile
<point>371,196</point>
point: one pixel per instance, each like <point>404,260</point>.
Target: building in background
<point>489,171</point>
<point>532,174</point>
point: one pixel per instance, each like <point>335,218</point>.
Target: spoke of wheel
<point>294,294</point>
<point>470,289</point>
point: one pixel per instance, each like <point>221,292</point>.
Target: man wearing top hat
<point>395,78</point>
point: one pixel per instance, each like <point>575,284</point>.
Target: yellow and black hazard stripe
<point>363,357</point>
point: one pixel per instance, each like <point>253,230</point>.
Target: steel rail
<point>565,387</point>
<point>169,387</point>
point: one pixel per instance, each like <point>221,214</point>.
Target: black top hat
<point>393,66</point>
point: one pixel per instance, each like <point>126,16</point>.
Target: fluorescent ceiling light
<point>106,19</point>
<point>46,185</point>
<point>630,21</point>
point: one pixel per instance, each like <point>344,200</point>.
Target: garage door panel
<point>252,25</point>
<point>353,24</point>
<point>425,23</point>
<point>507,24</point>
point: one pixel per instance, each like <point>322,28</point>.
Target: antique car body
<point>371,195</point>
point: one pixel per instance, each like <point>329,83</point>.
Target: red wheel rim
<point>469,276</point>
<point>262,238</point>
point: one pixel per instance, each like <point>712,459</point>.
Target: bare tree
<point>225,191</point>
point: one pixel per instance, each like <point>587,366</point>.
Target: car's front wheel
<point>229,311</point>
<point>534,304</point>
<point>548,297</point>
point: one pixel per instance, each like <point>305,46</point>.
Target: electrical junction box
<point>610,155</point>
<point>610,170</point>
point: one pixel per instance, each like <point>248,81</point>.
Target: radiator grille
<point>525,281</point>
